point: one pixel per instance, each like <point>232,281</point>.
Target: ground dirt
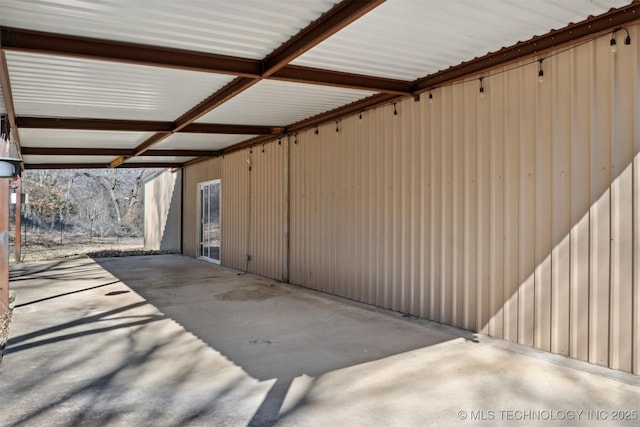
<point>47,246</point>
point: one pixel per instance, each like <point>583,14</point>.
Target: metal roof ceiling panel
<point>159,159</point>
<point>194,141</point>
<point>40,159</point>
<point>55,86</point>
<point>62,138</point>
<point>408,39</point>
<point>247,28</point>
<point>280,103</point>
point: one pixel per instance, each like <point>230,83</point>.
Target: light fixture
<point>9,157</point>
<point>263,148</point>
<point>540,71</point>
<point>337,128</point>
<point>481,88</point>
<point>360,116</point>
<point>295,138</point>
<point>395,111</point>
<point>612,42</point>
<point>430,98</point>
<point>9,167</point>
<point>279,141</point>
<point>316,131</point>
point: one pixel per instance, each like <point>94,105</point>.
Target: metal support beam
<point>93,124</point>
<point>4,245</point>
<point>341,15</point>
<point>18,222</point>
<point>5,84</point>
<point>215,100</point>
<point>25,122</point>
<point>126,152</point>
<point>297,74</point>
<point>163,165</point>
<point>14,39</point>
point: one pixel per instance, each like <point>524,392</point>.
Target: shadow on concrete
<point>274,332</point>
<point>65,294</point>
<point>176,341</point>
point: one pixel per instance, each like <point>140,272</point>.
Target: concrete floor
<point>172,341</point>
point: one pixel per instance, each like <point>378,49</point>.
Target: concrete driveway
<point>171,341</point>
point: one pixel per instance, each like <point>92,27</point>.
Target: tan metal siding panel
<point>526,219</point>
<point>622,210</point>
<point>543,219</point>
<point>236,228</point>
<point>436,215</point>
<point>600,211</point>
<point>470,206</point>
<point>458,186</point>
<point>561,221</point>
<point>582,99</point>
<point>484,214</point>
<point>267,210</point>
<point>635,351</point>
<point>496,122</point>
<point>511,204</point>
<point>446,210</point>
<point>162,221</point>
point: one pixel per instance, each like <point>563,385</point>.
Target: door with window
<point>209,233</point>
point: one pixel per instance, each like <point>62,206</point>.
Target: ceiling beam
<point>232,129</point>
<point>229,91</point>
<point>25,122</point>
<point>93,124</point>
<point>335,19</point>
<point>294,73</point>
<point>536,45</point>
<point>85,151</point>
<point>218,98</point>
<point>14,39</point>
<point>5,85</point>
<point>162,165</point>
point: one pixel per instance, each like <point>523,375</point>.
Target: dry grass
<point>45,246</point>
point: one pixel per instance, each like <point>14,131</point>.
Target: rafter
<point>107,50</point>
<point>141,126</point>
<point>294,73</point>
<point>328,24</point>
<point>93,124</point>
<point>12,39</point>
<point>5,84</point>
<point>86,151</point>
<point>162,165</point>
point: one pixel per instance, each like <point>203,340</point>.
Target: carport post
<point>4,245</point>
<point>18,233</point>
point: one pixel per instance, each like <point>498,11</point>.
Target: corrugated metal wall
<point>516,215</point>
<point>162,215</point>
